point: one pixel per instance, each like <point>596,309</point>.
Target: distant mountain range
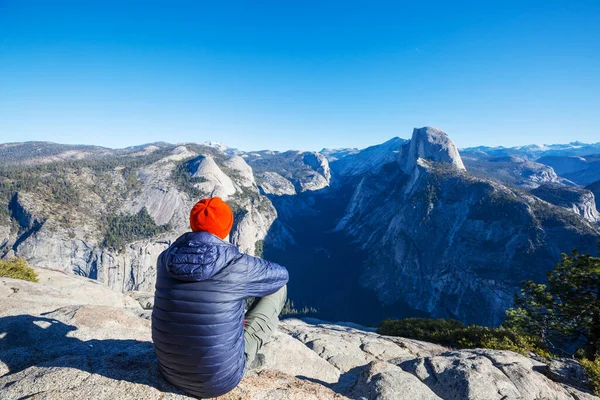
<point>403,228</point>
<point>537,151</point>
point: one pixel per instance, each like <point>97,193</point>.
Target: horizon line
<point>214,144</point>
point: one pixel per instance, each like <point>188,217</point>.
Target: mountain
<point>336,154</point>
<point>69,338</point>
<point>353,163</point>
<point>442,241</point>
<point>45,152</point>
<point>576,161</point>
<point>109,217</point>
<point>512,170</point>
<point>403,228</point>
<point>534,151</point>
<point>578,200</point>
<point>431,145</point>
<point>583,170</point>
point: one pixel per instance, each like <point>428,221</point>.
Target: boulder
<point>486,375</point>
<point>567,371</point>
<point>385,381</point>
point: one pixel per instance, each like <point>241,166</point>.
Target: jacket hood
<point>197,256</point>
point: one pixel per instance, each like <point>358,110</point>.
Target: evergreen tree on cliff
<point>566,311</point>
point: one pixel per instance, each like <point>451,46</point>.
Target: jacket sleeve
<point>264,277</point>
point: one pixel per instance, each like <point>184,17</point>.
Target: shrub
<point>592,368</point>
<point>452,333</point>
<point>427,329</point>
<point>17,268</point>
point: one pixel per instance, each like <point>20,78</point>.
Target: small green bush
<point>593,370</point>
<point>17,268</point>
<point>427,329</point>
<point>452,333</point>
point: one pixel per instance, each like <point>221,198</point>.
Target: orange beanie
<point>212,215</point>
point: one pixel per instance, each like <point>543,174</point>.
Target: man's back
<point>197,322</point>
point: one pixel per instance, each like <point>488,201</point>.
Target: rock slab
<point>71,338</point>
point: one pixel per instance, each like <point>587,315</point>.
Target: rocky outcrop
<point>595,189</point>
<point>133,268</point>
<point>306,171</point>
<point>243,172</point>
<point>580,201</point>
<point>486,375</point>
<point>4,235</point>
<point>159,195</point>
<point>71,338</point>
<point>275,184</point>
<point>567,371</point>
<point>318,163</point>
<point>431,144</point>
<point>386,381</point>
<point>216,182</point>
<point>23,217</point>
<point>252,226</point>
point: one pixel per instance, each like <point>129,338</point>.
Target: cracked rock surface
<point>69,337</point>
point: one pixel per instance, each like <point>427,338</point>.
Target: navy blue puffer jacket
<point>198,316</point>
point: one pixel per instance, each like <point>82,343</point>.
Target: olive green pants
<point>261,321</point>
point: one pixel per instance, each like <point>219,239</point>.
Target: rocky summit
<point>70,337</point>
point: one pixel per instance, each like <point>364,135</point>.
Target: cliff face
<point>595,189</point>
<point>578,200</point>
<point>429,144</point>
<point>71,237</point>
<point>68,337</point>
<point>450,244</point>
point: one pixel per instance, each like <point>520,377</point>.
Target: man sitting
<point>202,341</point>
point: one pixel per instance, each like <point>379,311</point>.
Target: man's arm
<point>264,277</point>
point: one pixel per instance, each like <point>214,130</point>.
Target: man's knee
<point>266,310</point>
<point>281,298</point>
<point>277,300</point>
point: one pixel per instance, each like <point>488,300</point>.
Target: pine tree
<point>566,311</point>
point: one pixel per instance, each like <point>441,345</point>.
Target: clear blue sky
<point>299,74</point>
